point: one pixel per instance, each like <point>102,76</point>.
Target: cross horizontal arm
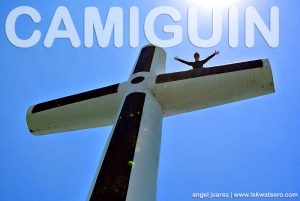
<point>89,109</point>
<point>168,77</point>
<point>197,89</point>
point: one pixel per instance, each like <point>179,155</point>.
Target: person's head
<point>196,56</point>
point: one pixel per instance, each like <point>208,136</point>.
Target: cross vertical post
<point>130,165</point>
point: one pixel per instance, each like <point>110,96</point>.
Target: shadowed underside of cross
<point>128,168</point>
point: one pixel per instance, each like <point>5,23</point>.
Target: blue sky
<point>248,146</point>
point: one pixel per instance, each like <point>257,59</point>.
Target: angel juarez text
<point>93,25</point>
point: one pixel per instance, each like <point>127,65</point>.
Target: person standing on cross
<point>197,64</point>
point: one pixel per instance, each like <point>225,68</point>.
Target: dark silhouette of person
<point>197,64</point>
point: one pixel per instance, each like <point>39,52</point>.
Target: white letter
<point>193,28</point>
<point>233,27</point>
<point>253,18</point>
<point>134,27</point>
<point>10,27</point>
<point>176,30</point>
<point>93,22</point>
<point>62,15</point>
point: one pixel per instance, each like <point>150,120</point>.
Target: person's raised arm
<point>211,56</point>
<point>183,61</point>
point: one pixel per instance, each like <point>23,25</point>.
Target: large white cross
<point>129,165</point>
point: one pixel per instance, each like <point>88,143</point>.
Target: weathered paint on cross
<point>128,168</point>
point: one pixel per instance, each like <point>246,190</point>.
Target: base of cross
<point>128,168</point>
